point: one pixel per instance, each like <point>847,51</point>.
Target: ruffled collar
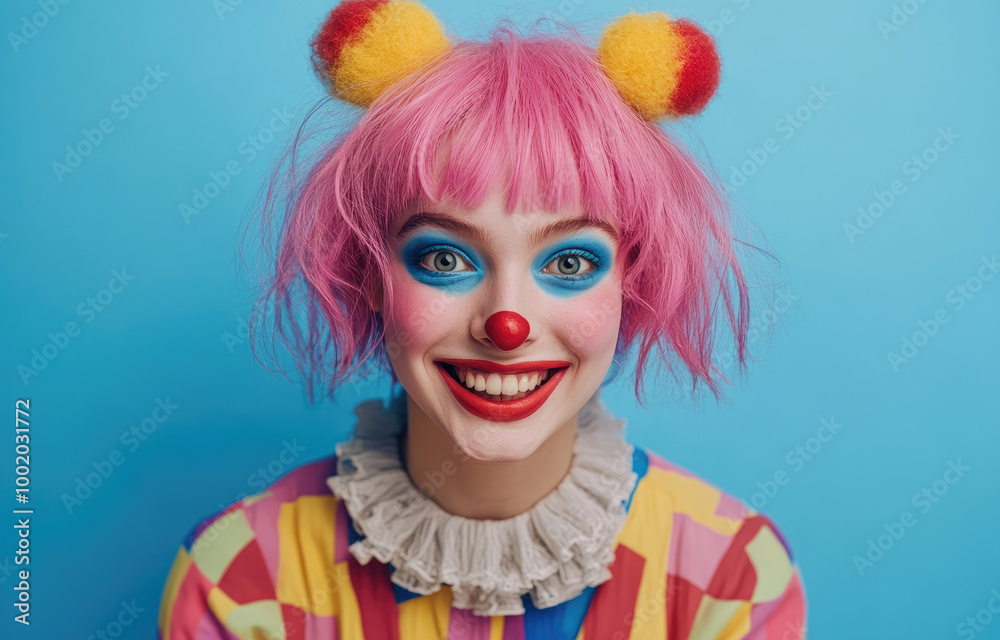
<point>553,551</point>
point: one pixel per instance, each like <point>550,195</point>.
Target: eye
<point>444,261</point>
<point>570,264</point>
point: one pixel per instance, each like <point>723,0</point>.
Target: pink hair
<point>538,114</point>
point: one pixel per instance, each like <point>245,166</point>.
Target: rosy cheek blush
<point>589,321</point>
<point>421,315</point>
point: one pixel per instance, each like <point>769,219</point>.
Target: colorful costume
<point>689,562</point>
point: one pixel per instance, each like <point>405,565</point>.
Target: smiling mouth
<point>499,387</point>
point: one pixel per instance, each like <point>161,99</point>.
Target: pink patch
<point>695,551</point>
<point>464,625</point>
<point>262,517</point>
<point>321,627</point>
<point>730,507</point>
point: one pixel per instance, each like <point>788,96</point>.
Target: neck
<point>482,490</point>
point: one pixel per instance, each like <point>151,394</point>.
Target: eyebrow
<point>568,225</point>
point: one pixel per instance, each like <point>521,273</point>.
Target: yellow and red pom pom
<point>366,45</point>
<point>662,67</point>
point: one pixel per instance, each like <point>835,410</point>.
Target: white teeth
<point>505,386</point>
<point>494,384</point>
<point>509,385</point>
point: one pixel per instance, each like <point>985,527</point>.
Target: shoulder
<point>229,561</point>
<point>722,557</point>
<point>303,488</point>
<point>689,495</point>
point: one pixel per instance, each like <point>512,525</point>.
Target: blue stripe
<point>561,622</point>
<point>640,465</point>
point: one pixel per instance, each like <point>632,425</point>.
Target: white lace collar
<point>553,551</point>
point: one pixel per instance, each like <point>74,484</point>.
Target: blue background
<point>173,332</point>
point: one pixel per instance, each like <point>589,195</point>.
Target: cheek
<point>589,322</point>
<point>420,317</point>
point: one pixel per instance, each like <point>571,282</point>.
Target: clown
<point>499,229</point>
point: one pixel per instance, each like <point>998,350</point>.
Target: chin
<point>486,441</point>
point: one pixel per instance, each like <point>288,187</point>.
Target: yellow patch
<point>426,617</point>
<point>221,604</point>
<point>647,531</point>
<point>770,561</point>
<point>398,39</point>
<point>644,56</point>
<point>721,619</point>
<point>696,498</point>
<point>307,576</point>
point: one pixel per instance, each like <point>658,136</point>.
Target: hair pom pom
<point>662,67</point>
<point>366,45</point>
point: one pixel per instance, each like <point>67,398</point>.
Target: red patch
<point>606,618</point>
<point>246,578</point>
<point>191,604</point>
<point>736,577</point>
<point>376,599</point>
<point>683,600</point>
<point>295,621</point>
<point>699,73</point>
<point>343,23</point>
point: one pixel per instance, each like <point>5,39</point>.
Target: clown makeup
<point>502,325</point>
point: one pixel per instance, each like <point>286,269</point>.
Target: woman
<point>498,229</point>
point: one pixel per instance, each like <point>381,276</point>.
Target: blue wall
<point>824,107</point>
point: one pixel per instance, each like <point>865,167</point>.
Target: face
<point>500,384</point>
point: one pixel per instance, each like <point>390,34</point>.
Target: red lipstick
<point>503,411</point>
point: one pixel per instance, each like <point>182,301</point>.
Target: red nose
<point>507,329</point>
